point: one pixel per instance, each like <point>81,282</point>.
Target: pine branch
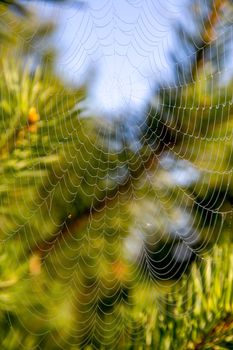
<point>197,313</point>
<point>218,334</point>
<point>208,35</point>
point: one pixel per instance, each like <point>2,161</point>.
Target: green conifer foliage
<point>69,200</point>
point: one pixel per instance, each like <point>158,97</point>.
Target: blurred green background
<point>116,233</point>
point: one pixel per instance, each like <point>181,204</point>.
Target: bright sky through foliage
<point>124,45</point>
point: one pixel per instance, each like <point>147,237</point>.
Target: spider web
<point>139,225</point>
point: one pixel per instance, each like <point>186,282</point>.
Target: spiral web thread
<point>155,202</point>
